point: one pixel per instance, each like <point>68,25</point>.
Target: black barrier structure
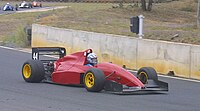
<point>136,25</point>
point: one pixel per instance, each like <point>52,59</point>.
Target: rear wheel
<point>94,80</point>
<point>146,73</point>
<point>33,71</point>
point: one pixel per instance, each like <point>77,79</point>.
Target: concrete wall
<point>183,59</point>
<point>164,56</point>
<point>195,62</point>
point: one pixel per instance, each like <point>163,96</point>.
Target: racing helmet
<point>92,59</point>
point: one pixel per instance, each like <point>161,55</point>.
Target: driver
<point>91,59</point>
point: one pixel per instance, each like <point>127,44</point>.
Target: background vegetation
<point>172,21</point>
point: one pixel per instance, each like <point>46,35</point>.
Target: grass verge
<point>162,23</point>
<point>17,39</point>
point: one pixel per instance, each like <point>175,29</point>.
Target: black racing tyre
<point>94,80</point>
<point>146,73</point>
<point>33,71</point>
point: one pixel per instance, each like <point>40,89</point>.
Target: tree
<point>150,5</point>
<point>198,14</point>
<point>143,2</point>
<point>146,7</point>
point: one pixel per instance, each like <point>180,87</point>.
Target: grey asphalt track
<point>17,95</point>
<point>6,12</point>
<point>22,10</point>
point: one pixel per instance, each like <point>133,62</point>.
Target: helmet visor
<point>94,61</point>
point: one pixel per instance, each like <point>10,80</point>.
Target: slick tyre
<point>33,71</point>
<point>94,80</point>
<point>146,73</point>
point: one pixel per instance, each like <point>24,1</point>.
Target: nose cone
<point>119,74</point>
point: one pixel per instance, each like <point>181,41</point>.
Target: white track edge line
<point>179,78</point>
<point>16,49</point>
<point>173,77</point>
<point>21,50</point>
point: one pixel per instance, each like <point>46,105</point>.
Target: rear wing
<point>48,53</point>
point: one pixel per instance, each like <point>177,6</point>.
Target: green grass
<point>18,38</point>
<point>162,23</point>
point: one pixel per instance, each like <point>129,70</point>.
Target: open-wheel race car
<point>71,70</point>
<point>25,4</point>
<point>8,7</point>
<point>36,4</point>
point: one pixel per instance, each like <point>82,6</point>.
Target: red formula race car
<point>36,4</point>
<point>71,70</point>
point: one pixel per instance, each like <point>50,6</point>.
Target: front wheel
<point>94,80</point>
<point>146,73</point>
<point>33,71</point>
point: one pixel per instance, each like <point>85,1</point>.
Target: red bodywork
<point>69,70</point>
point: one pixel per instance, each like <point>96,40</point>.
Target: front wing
<point>151,87</point>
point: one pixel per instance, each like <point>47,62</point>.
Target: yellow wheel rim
<point>143,77</point>
<point>27,71</point>
<point>89,80</point>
